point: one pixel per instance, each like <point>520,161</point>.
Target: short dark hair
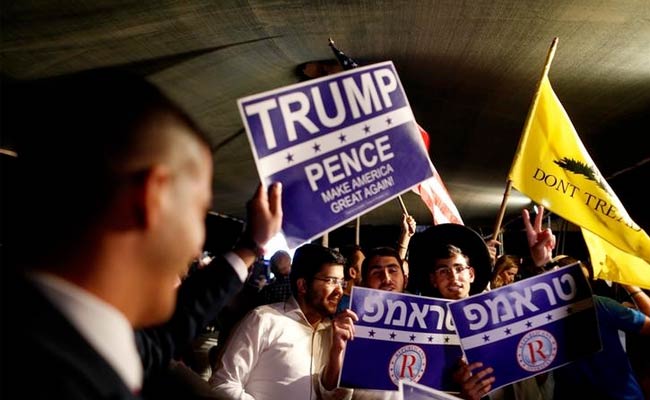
<point>382,251</point>
<point>275,259</point>
<point>348,252</point>
<point>74,136</point>
<point>447,251</point>
<point>308,261</point>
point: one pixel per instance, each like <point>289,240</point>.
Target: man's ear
<point>352,272</point>
<point>302,286</point>
<point>472,274</point>
<point>153,196</point>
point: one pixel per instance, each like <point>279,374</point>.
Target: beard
<point>325,306</point>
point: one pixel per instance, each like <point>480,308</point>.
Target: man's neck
<point>313,317</point>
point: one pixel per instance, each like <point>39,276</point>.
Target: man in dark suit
<point>125,176</point>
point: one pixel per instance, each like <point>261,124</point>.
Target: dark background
<point>469,70</point>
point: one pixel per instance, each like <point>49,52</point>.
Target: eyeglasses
<point>331,281</point>
<point>448,272</point>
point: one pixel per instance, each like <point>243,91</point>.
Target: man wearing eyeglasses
<point>277,350</point>
<point>382,269</point>
<point>459,268</point>
<point>453,262</point>
<point>451,275</point>
<point>450,261</point>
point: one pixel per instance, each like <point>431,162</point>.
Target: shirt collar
<point>291,306</point>
<point>102,325</point>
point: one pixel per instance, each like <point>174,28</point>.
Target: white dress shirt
<point>274,353</point>
<point>237,264</point>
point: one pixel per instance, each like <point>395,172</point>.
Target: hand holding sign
<point>528,327</point>
<point>342,332</point>
<point>475,378</point>
<point>400,336</point>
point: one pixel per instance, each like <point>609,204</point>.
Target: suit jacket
<point>43,355</point>
<point>201,297</point>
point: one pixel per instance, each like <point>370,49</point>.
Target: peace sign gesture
<point>541,242</point>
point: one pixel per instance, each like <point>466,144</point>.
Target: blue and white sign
<point>400,337</point>
<point>529,327</point>
<point>341,145</point>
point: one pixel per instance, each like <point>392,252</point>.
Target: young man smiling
<point>278,350</point>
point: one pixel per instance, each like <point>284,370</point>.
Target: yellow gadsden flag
<point>553,168</point>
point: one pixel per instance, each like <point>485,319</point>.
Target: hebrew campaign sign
<point>400,337</point>
<point>341,145</point>
<point>530,326</point>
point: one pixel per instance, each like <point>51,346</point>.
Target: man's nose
<point>386,276</point>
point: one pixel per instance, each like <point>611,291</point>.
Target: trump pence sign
<point>341,145</point>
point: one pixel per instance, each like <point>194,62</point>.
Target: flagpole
<point>506,193</point>
<point>356,231</point>
<point>401,203</point>
<point>502,210</point>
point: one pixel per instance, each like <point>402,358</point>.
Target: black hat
<point>426,244</point>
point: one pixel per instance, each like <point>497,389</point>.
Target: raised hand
<point>541,242</point>
<point>342,331</point>
<point>408,230</point>
<point>264,210</point>
<point>492,246</point>
<point>408,225</point>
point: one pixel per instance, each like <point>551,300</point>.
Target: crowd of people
<point>105,308</point>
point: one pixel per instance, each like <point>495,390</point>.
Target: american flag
<point>345,61</point>
<point>434,194</point>
<point>432,191</point>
